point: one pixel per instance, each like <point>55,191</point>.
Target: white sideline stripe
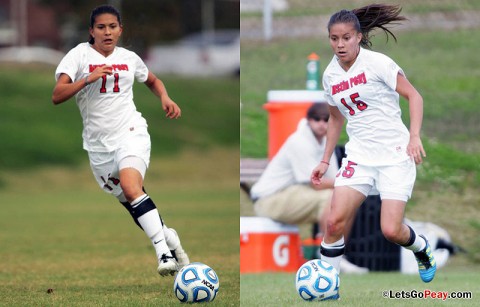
<point>264,225</point>
<point>296,96</point>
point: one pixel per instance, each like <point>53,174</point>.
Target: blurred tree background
<point>146,22</point>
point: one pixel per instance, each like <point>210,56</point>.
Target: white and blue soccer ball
<point>196,283</point>
<point>317,280</point>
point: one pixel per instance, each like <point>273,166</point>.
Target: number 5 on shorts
<point>349,170</point>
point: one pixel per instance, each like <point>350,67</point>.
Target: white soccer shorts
<point>134,151</point>
<point>391,181</point>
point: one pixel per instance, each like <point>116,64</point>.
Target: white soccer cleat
<point>167,266</point>
<point>181,256</point>
<point>178,253</point>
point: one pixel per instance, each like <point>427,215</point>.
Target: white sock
<point>333,252</point>
<point>152,225</point>
<point>415,243</point>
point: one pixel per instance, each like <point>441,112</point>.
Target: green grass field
<point>278,289</point>
<point>60,231</point>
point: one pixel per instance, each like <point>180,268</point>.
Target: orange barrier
<point>269,246</point>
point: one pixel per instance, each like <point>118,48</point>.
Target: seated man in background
<point>284,193</point>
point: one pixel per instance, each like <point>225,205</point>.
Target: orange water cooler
<point>269,246</point>
<point>285,109</point>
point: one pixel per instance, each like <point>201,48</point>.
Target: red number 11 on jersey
<point>116,89</point>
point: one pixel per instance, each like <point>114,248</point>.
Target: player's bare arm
<point>66,89</point>
<point>405,89</point>
<point>324,184</point>
<point>156,85</point>
<point>335,125</point>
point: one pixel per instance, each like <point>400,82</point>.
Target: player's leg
<point>144,210</point>
<point>391,221</point>
<point>105,171</point>
<point>345,202</point>
<point>171,236</point>
<point>396,231</point>
<point>129,208</point>
<point>134,154</point>
<point>395,184</point>
<point>345,265</point>
<point>352,185</point>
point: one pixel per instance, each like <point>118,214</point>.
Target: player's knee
<point>392,233</point>
<point>131,192</point>
<point>335,227</point>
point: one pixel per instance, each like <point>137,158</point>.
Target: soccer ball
<point>317,280</point>
<point>195,283</point>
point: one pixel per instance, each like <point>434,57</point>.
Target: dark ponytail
<point>99,10</point>
<point>366,18</point>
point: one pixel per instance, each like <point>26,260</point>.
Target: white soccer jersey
<point>366,96</point>
<point>106,105</point>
